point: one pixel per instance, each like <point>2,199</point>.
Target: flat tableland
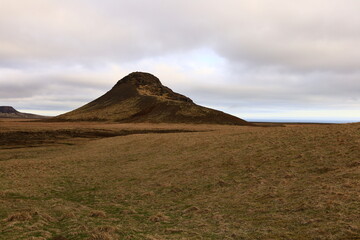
<point>82,180</point>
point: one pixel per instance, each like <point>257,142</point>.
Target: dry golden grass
<point>221,182</point>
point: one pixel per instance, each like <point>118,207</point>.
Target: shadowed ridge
<point>10,112</point>
<point>141,97</point>
<point>7,109</point>
<point>140,79</point>
<point>149,85</point>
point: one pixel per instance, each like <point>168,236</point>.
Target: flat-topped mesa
<point>7,109</point>
<point>10,112</point>
<point>148,85</point>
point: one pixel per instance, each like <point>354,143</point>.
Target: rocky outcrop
<point>141,97</point>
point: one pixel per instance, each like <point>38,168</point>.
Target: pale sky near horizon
<point>256,59</point>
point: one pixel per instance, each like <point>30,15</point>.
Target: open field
<point>104,181</point>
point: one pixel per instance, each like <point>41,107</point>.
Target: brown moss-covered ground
<point>184,182</point>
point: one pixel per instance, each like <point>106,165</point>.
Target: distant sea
<point>299,121</point>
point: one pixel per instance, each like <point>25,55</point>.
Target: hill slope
<point>10,112</point>
<point>140,97</point>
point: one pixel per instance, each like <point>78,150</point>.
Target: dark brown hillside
<point>7,109</point>
<point>140,97</point>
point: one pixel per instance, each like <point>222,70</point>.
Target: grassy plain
<point>105,181</point>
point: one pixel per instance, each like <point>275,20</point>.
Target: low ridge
<point>10,112</point>
<point>141,97</point>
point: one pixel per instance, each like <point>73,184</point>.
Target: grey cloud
<point>273,89</point>
<point>276,53</point>
<point>50,91</point>
<point>308,34</point>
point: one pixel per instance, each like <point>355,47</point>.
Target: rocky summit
<point>141,97</point>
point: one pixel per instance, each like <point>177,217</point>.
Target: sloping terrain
<point>10,112</point>
<point>140,97</point>
<point>218,182</point>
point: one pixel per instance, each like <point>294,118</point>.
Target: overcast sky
<point>256,59</point>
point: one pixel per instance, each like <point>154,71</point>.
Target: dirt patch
<point>22,216</point>
<point>19,139</point>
